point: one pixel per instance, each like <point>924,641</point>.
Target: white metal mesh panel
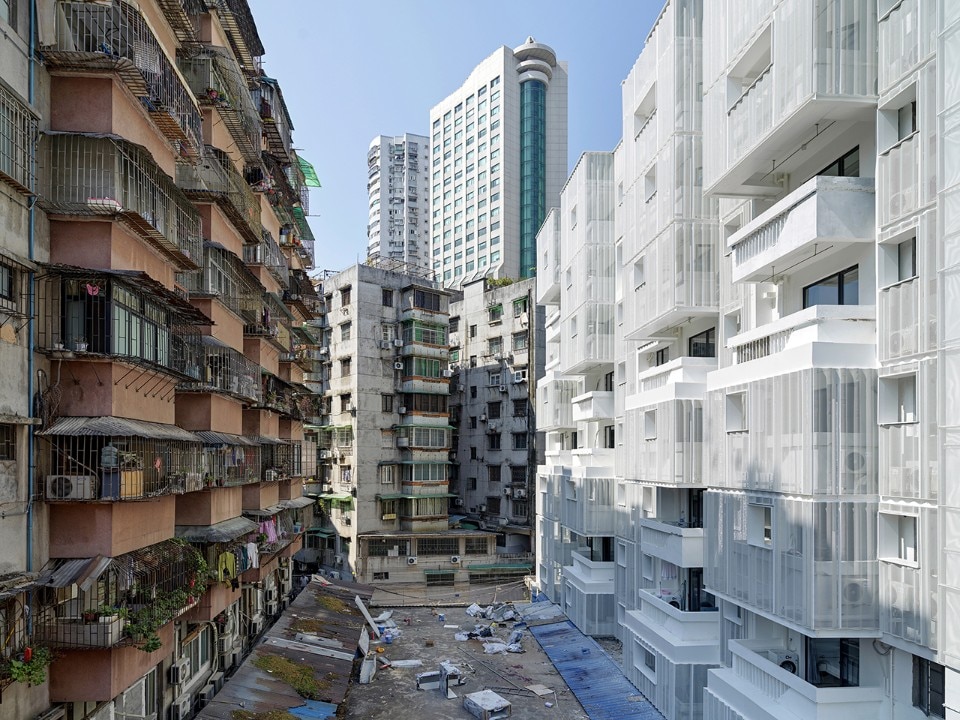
<point>588,505</point>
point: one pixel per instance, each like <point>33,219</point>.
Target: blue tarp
<point>314,710</point>
<point>596,681</point>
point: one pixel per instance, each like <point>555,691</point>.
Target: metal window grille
<point>19,132</point>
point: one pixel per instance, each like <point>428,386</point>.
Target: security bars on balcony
<point>223,369</point>
<point>110,177</point>
<point>214,179</point>
<point>115,37</point>
<point>226,277</point>
<point>267,253</point>
<point>19,133</point>
<point>238,21</point>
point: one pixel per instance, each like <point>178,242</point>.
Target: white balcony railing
<point>820,323</point>
<point>751,117</point>
<point>597,405</point>
<point>835,210</point>
<point>686,370</point>
<point>681,546</point>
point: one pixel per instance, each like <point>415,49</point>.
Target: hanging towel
<point>253,555</point>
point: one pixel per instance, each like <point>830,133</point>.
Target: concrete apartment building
<point>153,292</point>
<point>780,514</point>
<point>497,355</point>
<point>498,159</point>
<point>398,185</point>
<point>385,437</point>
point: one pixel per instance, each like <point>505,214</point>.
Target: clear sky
<point>355,69</point>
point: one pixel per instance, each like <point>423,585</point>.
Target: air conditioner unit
<point>498,356</point>
<point>856,592</point>
<point>181,708</point>
<point>385,344</point>
<point>502,522</point>
<point>324,351</point>
<point>217,681</point>
<point>324,454</point>
<point>398,366</point>
<point>398,342</point>
<point>403,442</point>
<point>71,487</point>
<point>492,427</point>
<point>411,560</point>
<point>483,508</point>
<point>272,609</point>
<point>508,491</point>
<point>455,559</point>
<point>270,475</point>
<point>503,388</point>
<point>180,671</point>
<point>454,367</point>
<point>460,387</point>
<point>225,643</point>
<point>269,595</point>
<point>256,626</point>
<point>447,373</point>
<point>401,410</point>
<point>789,661</point>
<point>458,502</point>
<point>205,696</point>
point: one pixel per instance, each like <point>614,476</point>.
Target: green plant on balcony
<point>30,666</point>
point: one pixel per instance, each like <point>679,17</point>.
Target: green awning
<point>430,427</point>
<point>323,532</point>
<point>404,496</point>
<point>309,173</point>
<point>468,526</point>
<point>519,567</point>
<point>451,571</point>
<point>335,496</point>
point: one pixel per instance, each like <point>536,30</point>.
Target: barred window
<point>520,341</point>
<point>414,331</point>
<point>426,473</point>
<point>18,127</point>
<point>426,300</point>
<point>8,441</point>
<point>441,578</point>
<point>475,546</point>
<point>387,547</point>
<point>438,546</point>
<point>518,474</point>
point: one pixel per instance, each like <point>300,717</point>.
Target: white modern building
<point>783,366</point>
<point>398,177</point>
<point>498,159</point>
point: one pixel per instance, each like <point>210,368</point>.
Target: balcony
<point>226,278</point>
<point>680,379</point>
<point>277,126</point>
<point>223,369</point>
<point>214,179</point>
<point>825,211</point>
<point>237,20</point>
<point>818,336</point>
<point>757,687</point>
<point>555,408</point>
<point>217,81</point>
<point>683,637</point>
<point>682,546</point>
<point>597,405</point>
<point>266,253</point>
<point>107,177</point>
<point>117,38</point>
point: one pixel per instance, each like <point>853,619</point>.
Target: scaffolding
<point>214,179</point>
<point>115,37</point>
<point>218,82</point>
<point>97,175</point>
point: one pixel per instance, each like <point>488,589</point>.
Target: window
<point>928,687</point>
<point>388,332</point>
<point>847,165</point>
<point>898,538</point>
<point>520,341</point>
<point>8,442</point>
<point>833,662</point>
<point>386,403</point>
<point>520,441</point>
<point>493,473</point>
<point>473,332</point>
<point>736,412</point>
<point>345,330</point>
<point>473,389</point>
<point>493,410</point>
<point>387,298</point>
<point>8,12</point>
<point>454,324</point>
<point>473,422</point>
<point>495,346</point>
<point>346,365</point>
<point>493,441</point>
<point>473,452</point>
<point>609,436</point>
<point>493,378</point>
<point>842,288</point>
<point>518,473</point>
<point>495,313</point>
<point>345,296</point>
<point>662,357</point>
<point>426,300</point>
<point>520,407</point>
<point>421,367</point>
<point>907,120</point>
<point>898,261</point>
<point>639,276</point>
<point>7,283</point>
<point>346,402</point>
<point>387,474</point>
<point>519,307</point>
<point>381,575</point>
<point>704,345</point>
<point>898,400</point>
<point>760,525</point>
<point>649,660</point>
<point>650,425</point>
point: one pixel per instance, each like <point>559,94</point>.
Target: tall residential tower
<point>499,159</point>
<point>398,183</point>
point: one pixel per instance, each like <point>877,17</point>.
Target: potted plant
<point>30,665</point>
<point>89,615</point>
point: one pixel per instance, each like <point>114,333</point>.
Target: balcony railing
<point>223,369</point>
<point>681,546</point>
<point>687,370</point>
<point>820,323</point>
<point>597,405</point>
<point>115,37</point>
<point>110,177</point>
<point>19,132</point>
<point>226,277</point>
<point>238,21</point>
<point>267,253</point>
<point>834,210</point>
<point>218,82</point>
<point>277,126</point>
<point>215,179</point>
<point>178,14</point>
<point>751,116</point>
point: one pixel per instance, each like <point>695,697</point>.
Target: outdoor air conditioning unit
<point>492,427</point>
<point>483,417</point>
<point>205,696</point>
<point>385,344</point>
<point>398,342</point>
<point>71,487</point>
<point>181,708</point>
<point>508,491</point>
<point>460,387</point>
<point>180,671</point>
<point>458,502</point>
<point>270,475</point>
<point>483,508</point>
<point>256,626</point>
<point>789,661</point>
<point>324,351</point>
<point>856,592</point>
<point>272,609</point>
<point>455,559</point>
<point>671,599</point>
<point>225,643</point>
<point>520,493</point>
<point>401,410</point>
<point>411,560</point>
<point>398,366</point>
<point>448,373</point>
<point>403,442</point>
<point>503,388</point>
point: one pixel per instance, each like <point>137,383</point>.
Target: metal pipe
<point>31,292</point>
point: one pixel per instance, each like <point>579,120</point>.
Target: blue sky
<point>353,70</point>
